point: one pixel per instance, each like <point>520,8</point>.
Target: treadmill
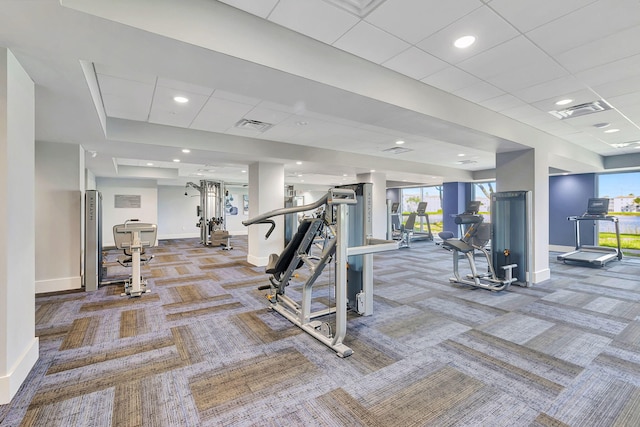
<point>597,256</point>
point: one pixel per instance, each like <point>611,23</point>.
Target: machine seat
<point>278,264</point>
<point>458,245</point>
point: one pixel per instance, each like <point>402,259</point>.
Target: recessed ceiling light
<point>464,42</point>
<point>612,130</point>
<point>564,101</point>
<point>566,173</point>
<point>186,150</point>
<point>601,125</point>
<point>461,155</point>
<point>400,142</point>
<point>176,160</point>
<point>243,171</point>
<point>149,164</point>
<point>372,170</point>
<point>299,175</point>
<point>298,163</point>
<point>181,99</point>
<point>344,174</point>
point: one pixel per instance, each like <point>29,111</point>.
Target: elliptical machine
<point>476,237</point>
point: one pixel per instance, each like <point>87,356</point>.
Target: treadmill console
<point>597,207</point>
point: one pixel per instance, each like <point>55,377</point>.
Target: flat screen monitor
<point>394,207</point>
<point>598,206</point>
<point>473,207</point>
<point>422,208</point>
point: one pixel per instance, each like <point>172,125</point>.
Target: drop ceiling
<point>340,81</point>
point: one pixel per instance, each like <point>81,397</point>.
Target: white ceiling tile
<point>218,115</point>
<point>601,51</point>
<point>592,22</point>
<point>266,115</point>
<point>502,102</point>
<point>169,118</point>
<point>222,94</point>
<point>415,63</point>
<point>125,99</point>
<point>413,20</point>
<point>526,15</point>
<point>578,97</point>
<point>313,18</point>
<point>478,92</point>
<point>618,87</point>
<point>521,112</point>
<point>450,79</point>
<point>513,79</point>
<point>163,100</point>
<point>627,100</point>
<point>488,28</point>
<point>184,87</point>
<point>558,128</point>
<point>125,88</point>
<point>619,70</point>
<point>557,88</point>
<point>516,53</point>
<point>126,108</point>
<point>260,8</point>
<point>124,74</point>
<point>371,43</point>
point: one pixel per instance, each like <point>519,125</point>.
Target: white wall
<point>234,222</point>
<point>177,213</point>
<point>110,187</point>
<point>58,216</point>
<point>18,345</point>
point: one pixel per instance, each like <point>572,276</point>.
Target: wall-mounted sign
<point>127,201</point>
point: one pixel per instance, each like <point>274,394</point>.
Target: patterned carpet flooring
<point>202,349</point>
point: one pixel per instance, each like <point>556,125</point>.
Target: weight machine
<point>132,237</point>
<point>509,232</point>
<point>211,213</point>
<point>353,285</point>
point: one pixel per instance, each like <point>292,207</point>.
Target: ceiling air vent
<point>581,110</point>
<point>397,150</point>
<point>253,125</point>
<point>359,8</point>
<point>466,162</point>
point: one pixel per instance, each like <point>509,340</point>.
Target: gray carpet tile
<point>204,349</point>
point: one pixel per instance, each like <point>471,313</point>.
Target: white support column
<point>266,193</point>
<point>379,202</point>
<point>18,344</point>
<point>529,170</point>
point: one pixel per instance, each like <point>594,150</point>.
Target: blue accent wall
<point>454,200</point>
<point>568,196</point>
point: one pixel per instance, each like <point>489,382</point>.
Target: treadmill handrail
<point>593,218</point>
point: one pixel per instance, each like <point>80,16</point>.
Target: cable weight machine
<point>211,213</point>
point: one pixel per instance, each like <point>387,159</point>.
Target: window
<point>623,191</point>
<point>482,192</point>
<point>410,198</point>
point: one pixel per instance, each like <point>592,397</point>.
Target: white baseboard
<point>10,383</point>
<point>60,284</point>
<point>257,261</point>
<point>541,275</point>
<point>178,236</point>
